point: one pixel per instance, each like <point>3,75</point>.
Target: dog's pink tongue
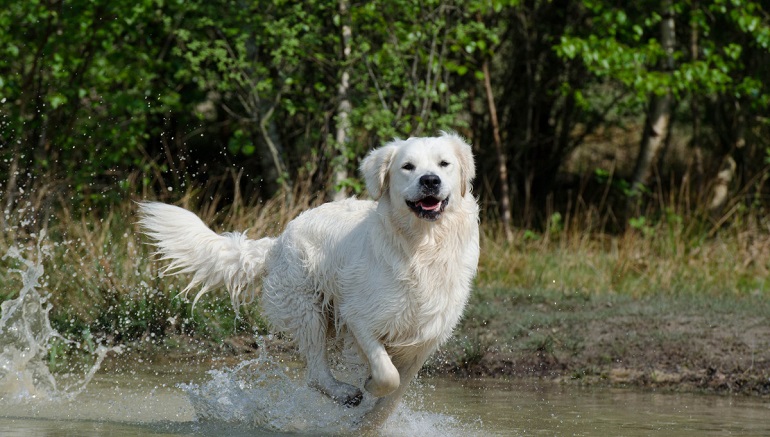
<point>429,204</point>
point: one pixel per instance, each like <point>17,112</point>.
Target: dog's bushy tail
<point>191,247</point>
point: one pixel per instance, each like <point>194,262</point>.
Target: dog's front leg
<point>384,377</point>
<point>408,368</point>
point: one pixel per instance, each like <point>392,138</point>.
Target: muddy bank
<point>694,342</point>
<point>667,374</point>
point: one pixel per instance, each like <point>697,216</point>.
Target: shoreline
<point>715,344</point>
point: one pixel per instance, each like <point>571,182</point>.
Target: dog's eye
<point>443,164</point>
<point>408,166</point>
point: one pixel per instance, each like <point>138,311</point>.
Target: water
<point>518,408</point>
<point>267,396</point>
<point>266,393</point>
<point>26,336</point>
<point>153,403</point>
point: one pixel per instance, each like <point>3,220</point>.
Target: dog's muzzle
<point>431,205</point>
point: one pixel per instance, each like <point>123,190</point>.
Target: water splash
<point>265,394</point>
<point>26,336</point>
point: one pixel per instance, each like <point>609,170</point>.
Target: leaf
<point>56,100</point>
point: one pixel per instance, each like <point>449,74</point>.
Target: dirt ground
<point>692,343</point>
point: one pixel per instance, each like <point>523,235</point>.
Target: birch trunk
<point>502,165</point>
<point>659,111</point>
<point>342,138</point>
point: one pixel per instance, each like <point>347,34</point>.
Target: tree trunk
<point>659,112</point>
<point>342,139</point>
<point>502,166</point>
<point>733,164</point>
<point>273,148</point>
<point>719,193</point>
<point>695,108</point>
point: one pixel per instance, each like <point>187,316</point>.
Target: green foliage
<point>97,95</point>
<point>85,82</point>
<point>100,90</point>
<point>555,224</point>
<point>603,177</point>
<point>405,64</point>
<point>640,224</point>
<point>623,45</point>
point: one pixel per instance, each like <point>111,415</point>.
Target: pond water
<point>161,401</point>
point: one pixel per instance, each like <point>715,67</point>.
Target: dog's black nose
<point>430,181</point>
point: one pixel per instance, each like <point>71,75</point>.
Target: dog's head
<point>424,175</point>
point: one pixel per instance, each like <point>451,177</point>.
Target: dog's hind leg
<point>298,310</point>
<point>311,339</point>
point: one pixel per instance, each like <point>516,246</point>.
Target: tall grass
<point>104,282</point>
<point>632,263</point>
<point>649,257</point>
<point>599,242</point>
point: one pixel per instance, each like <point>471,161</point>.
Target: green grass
<point>635,264</point>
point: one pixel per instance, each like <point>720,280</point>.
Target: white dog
<point>395,272</point>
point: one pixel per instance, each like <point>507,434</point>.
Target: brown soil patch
<point>678,343</point>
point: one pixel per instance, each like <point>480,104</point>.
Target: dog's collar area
<point>428,208</point>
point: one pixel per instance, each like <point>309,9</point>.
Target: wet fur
<point>375,269</point>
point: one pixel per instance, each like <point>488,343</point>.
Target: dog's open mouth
<point>428,208</point>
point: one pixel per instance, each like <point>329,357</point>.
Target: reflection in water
<point>542,408</point>
<point>266,394</point>
<point>152,403</point>
<point>157,401</point>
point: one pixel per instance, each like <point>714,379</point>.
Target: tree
<point>658,118</point>
<point>83,86</point>
<point>725,69</point>
<point>539,98</point>
<point>342,139</point>
<point>103,100</point>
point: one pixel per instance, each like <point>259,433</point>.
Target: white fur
<point>396,281</point>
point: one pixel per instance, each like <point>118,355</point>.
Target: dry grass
<point>658,258</point>
<point>102,278</point>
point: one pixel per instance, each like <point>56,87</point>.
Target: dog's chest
<point>422,305</point>
<point>406,294</point>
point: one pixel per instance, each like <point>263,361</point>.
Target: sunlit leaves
<point>624,48</point>
<point>407,54</point>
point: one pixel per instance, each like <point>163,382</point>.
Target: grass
<point>103,281</point>
<point>662,259</point>
<point>567,300</point>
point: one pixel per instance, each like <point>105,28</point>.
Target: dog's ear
<point>465,157</point>
<point>375,168</point>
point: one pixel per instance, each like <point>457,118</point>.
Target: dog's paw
<point>382,386</point>
<point>342,393</point>
<point>384,379</point>
<point>353,401</point>
<point>347,395</point>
